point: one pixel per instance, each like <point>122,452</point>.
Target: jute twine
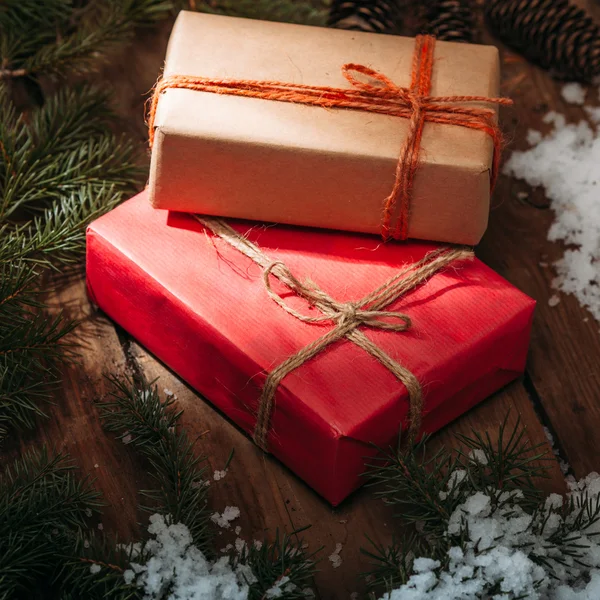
<point>377,94</point>
<point>347,319</point>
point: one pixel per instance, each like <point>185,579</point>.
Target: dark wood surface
<point>559,391</point>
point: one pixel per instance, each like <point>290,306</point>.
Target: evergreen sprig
<point>49,549</point>
<point>426,489</point>
<point>111,559</point>
<point>59,170</point>
<point>150,425</point>
<point>430,491</point>
<point>271,561</point>
<point>55,37</point>
<point>43,505</point>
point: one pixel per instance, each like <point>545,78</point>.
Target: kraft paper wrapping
<point>304,165</point>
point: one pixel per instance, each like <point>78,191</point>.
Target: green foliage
<point>42,507</point>
<point>426,490</point>
<point>429,491</point>
<point>60,169</point>
<point>138,414</point>
<point>271,561</point>
<point>54,37</point>
<point>112,559</point>
<point>48,546</point>
<point>151,426</point>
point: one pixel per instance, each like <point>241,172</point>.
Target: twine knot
<point>377,94</point>
<point>346,315</point>
<point>348,319</point>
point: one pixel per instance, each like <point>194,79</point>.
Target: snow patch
<point>218,475</point>
<point>507,552</point>
<point>573,93</point>
<point>178,568</point>
<point>224,520</point>
<point>334,557</point>
<point>565,163</point>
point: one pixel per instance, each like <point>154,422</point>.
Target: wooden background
<point>559,390</point>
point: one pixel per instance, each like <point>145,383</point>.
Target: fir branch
<point>427,490</point>
<point>62,148</point>
<point>151,426</point>
<point>69,117</point>
<point>282,563</point>
<point>42,506</point>
<point>59,171</point>
<point>111,560</point>
<point>391,565</point>
<point>57,235</point>
<point>416,485</point>
<point>478,506</point>
<point>508,464</point>
<point>69,37</point>
<point>21,396</point>
<point>31,352</point>
<point>138,414</point>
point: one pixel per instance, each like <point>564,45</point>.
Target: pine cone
<point>450,20</point>
<point>555,34</point>
<point>378,16</point>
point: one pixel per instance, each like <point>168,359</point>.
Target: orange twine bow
<point>382,96</point>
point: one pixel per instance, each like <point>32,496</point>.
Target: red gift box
<point>202,307</point>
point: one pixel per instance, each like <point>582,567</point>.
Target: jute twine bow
<point>347,319</point>
<point>378,94</point>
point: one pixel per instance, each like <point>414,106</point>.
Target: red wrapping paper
<point>201,307</point>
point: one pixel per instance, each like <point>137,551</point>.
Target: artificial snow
<point>281,585</point>
<point>224,520</point>
<point>564,466</point>
<point>478,456</point>
<point>565,163</point>
<point>178,570</point>
<point>217,475</point>
<point>335,558</point>
<point>126,439</point>
<point>553,301</point>
<point>95,569</point>
<point>238,530</point>
<point>573,93</point>
<point>507,554</point>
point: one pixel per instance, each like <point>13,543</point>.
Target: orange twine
<point>381,96</point>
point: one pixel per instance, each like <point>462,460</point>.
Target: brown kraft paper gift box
<point>265,160</point>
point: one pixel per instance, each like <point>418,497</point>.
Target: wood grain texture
<point>560,389</point>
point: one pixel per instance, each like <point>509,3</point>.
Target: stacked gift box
<point>254,264</point>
